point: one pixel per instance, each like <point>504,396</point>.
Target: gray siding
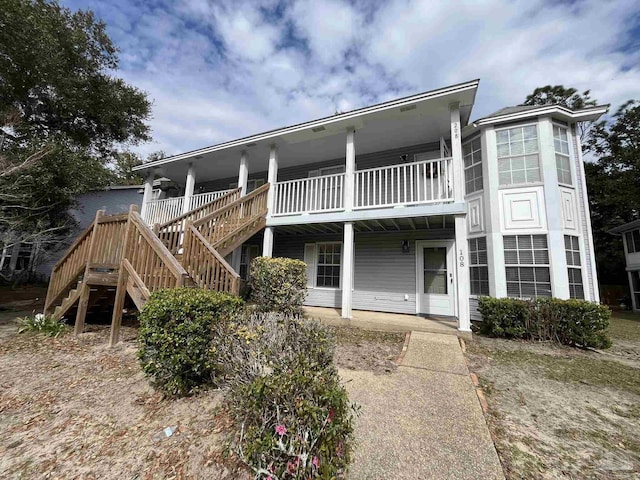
<point>383,274</point>
<point>369,160</point>
<point>113,201</point>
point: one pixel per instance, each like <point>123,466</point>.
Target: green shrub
<point>294,417</point>
<point>42,323</point>
<point>278,284</point>
<point>176,337</point>
<point>570,322</point>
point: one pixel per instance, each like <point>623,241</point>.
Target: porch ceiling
<point>436,222</point>
<point>402,123</point>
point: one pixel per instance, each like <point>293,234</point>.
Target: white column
<point>243,173</point>
<point>243,176</point>
<point>188,188</point>
<point>148,193</point>
<point>461,246</point>
<point>495,244</point>
<point>634,305</point>
<point>553,204</point>
<point>347,270</point>
<point>349,169</point>
<point>272,178</point>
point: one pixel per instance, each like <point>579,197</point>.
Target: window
<point>572,249</point>
<point>328,264</point>
<point>526,259</point>
<point>633,241</point>
<point>635,287</point>
<point>472,152</point>
<point>478,269</point>
<point>518,155</point>
<point>248,253</point>
<point>561,144</point>
<point>251,184</point>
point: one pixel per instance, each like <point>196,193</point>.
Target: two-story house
<point>631,243</point>
<point>406,206</point>
<point>402,207</point>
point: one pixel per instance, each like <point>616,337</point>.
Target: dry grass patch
<point>558,412</point>
<point>70,407</point>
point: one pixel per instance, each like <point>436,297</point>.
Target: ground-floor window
<point>574,270</point>
<point>526,259</point>
<point>248,253</point>
<point>635,287</point>
<point>323,261</point>
<point>478,269</point>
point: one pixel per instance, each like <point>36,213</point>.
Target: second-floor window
<point>633,241</point>
<point>561,145</point>
<point>472,152</point>
<point>518,161</point>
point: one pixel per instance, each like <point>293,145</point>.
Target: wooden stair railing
<point>218,227</point>
<point>206,266</point>
<point>66,271</point>
<point>147,266</point>
<point>171,233</point>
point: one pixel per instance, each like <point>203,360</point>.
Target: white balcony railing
<point>424,182</point>
<point>310,195</point>
<point>162,211</point>
<point>207,197</point>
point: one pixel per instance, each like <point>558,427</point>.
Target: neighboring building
<point>631,241</point>
<point>29,258</point>
<point>406,207</point>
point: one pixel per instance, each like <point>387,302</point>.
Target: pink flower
<point>332,413</point>
<point>315,462</point>
<point>281,430</point>
<point>269,477</point>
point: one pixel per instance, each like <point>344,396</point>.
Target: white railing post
<point>272,178</point>
<point>188,188</point>
<point>148,193</point>
<point>461,256</point>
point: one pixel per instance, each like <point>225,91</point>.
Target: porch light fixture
<point>405,246</point>
<point>318,129</point>
<point>252,144</point>
<point>198,157</point>
<point>408,107</point>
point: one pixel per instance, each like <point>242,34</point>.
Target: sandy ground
<point>73,408</point>
<point>558,412</point>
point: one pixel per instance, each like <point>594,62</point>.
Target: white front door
<point>434,269</point>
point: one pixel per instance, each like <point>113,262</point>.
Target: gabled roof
<point>467,88</point>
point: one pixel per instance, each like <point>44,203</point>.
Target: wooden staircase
<point>121,253</point>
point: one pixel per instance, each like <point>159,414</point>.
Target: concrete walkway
<point>424,421</point>
<point>394,322</point>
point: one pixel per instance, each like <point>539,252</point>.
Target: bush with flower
<point>41,323</point>
<point>294,417</point>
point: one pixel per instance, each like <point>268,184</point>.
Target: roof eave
<point>587,114</point>
<point>461,87</point>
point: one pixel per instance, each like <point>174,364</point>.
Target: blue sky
<point>218,70</point>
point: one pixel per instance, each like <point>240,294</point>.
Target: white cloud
<point>218,71</point>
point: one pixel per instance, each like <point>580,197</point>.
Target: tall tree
<point>64,114</point>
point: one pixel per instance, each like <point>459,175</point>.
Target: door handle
<point>451,277</point>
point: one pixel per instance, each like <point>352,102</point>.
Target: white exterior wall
<point>555,211</point>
